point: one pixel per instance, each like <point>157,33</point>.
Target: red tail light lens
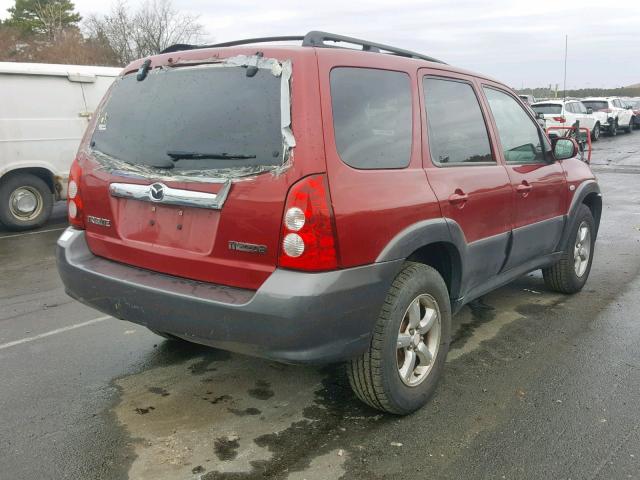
<point>308,234</point>
<point>605,110</point>
<point>559,119</point>
<point>75,206</point>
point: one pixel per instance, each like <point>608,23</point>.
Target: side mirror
<point>539,116</point>
<point>589,110</point>
<point>564,148</point>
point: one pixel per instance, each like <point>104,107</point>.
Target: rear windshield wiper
<point>185,155</point>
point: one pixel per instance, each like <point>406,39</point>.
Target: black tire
<point>562,276</point>
<point>10,186</point>
<point>629,128</point>
<point>613,128</point>
<point>374,376</point>
<point>595,133</point>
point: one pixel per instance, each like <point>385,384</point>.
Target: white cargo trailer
<point>44,111</point>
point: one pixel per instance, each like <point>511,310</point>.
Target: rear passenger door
<point>539,184</point>
<point>470,182</point>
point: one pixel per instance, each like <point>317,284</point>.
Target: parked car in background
<point>44,112</point>
<point>634,104</point>
<point>528,99</point>
<point>283,205</point>
<point>613,114</point>
<point>565,113</point>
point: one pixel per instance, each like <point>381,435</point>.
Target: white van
<point>44,111</point>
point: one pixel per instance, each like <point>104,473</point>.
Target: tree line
<point>630,91</point>
<point>51,31</point>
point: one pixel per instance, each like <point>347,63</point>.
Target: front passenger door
<point>539,184</point>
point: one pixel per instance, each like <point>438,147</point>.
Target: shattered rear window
<point>206,110</point>
<point>547,108</point>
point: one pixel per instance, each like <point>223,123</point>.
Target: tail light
<point>605,110</point>
<point>308,233</point>
<point>75,206</point>
<point>559,119</point>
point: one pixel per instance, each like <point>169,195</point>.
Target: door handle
<point>458,198</point>
<point>524,188</point>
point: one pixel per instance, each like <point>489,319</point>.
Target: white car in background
<point>565,113</point>
<point>44,112</point>
<point>613,113</point>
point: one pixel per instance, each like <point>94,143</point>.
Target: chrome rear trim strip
<point>160,193</point>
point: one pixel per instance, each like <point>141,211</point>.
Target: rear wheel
<point>613,128</point>
<point>400,370</point>
<point>25,201</point>
<point>572,270</point>
<point>629,128</point>
<point>595,133</point>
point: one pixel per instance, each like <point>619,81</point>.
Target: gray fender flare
<point>424,233</point>
<point>585,188</point>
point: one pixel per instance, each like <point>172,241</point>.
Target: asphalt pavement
<point>537,385</point>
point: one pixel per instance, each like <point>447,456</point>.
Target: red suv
<point>318,204</point>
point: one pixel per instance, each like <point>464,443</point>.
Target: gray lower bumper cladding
<point>293,317</point>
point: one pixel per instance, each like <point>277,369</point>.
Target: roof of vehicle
<point>556,101</point>
<point>382,56</point>
<point>51,69</point>
<point>598,99</point>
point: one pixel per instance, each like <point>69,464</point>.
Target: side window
<point>568,107</point>
<point>581,107</point>
<point>372,117</point>
<point>616,103</point>
<point>456,127</point>
<point>519,134</point>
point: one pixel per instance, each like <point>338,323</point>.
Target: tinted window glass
<point>547,108</point>
<point>457,132</point>
<point>372,117</point>
<point>519,134</point>
<point>581,108</point>
<point>205,110</point>
<point>596,104</point>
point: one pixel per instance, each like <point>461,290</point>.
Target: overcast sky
<point>518,42</point>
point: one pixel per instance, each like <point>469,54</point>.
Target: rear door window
<point>372,117</point>
<point>456,127</point>
<point>519,134</point>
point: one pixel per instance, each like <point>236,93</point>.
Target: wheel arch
<point>445,258</point>
<point>593,200</point>
<point>438,243</point>
<point>588,194</point>
<point>46,175</point>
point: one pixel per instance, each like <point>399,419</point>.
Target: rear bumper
<point>293,317</point>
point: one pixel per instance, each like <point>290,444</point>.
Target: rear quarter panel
<point>372,206</point>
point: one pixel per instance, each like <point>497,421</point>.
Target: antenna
<point>564,89</point>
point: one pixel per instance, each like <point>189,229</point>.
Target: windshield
<point>194,118</point>
<point>596,104</point>
<point>547,108</point>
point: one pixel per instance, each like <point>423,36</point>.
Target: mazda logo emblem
<point>157,192</point>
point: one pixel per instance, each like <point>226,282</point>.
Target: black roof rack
<point>312,39</point>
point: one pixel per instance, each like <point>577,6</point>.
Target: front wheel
<point>400,370</point>
<point>25,201</point>
<point>570,273</point>
<point>613,128</point>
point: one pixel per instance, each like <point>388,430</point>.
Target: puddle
<point>225,416</point>
<point>213,415</point>
<point>482,319</point>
